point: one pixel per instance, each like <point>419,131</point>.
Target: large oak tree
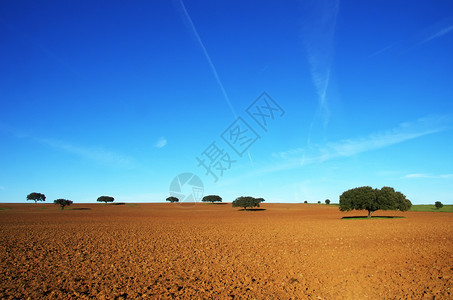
<point>367,198</point>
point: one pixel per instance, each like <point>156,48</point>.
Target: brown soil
<point>163,251</point>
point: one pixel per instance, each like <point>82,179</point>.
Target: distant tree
<point>212,198</point>
<point>305,201</point>
<point>172,199</point>
<point>36,197</point>
<point>62,202</point>
<point>367,198</point>
<point>438,204</point>
<point>319,202</point>
<point>327,201</point>
<point>105,199</point>
<point>247,201</point>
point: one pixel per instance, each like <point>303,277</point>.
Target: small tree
<point>305,201</point>
<point>105,199</point>
<point>438,204</point>
<point>212,198</point>
<point>327,201</point>
<point>62,202</point>
<point>371,200</point>
<point>319,202</point>
<point>36,197</point>
<point>172,199</point>
<point>247,202</point>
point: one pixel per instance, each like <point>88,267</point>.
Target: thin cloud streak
<point>425,176</point>
<point>430,33</point>
<point>97,155</point>
<point>296,158</point>
<point>439,34</point>
<point>194,31</point>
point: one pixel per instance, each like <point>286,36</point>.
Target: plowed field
<point>177,251</point>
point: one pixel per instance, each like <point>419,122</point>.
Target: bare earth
<point>164,251</point>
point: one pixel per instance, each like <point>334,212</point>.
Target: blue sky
<point>114,98</point>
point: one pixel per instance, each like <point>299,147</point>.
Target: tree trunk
<point>370,212</point>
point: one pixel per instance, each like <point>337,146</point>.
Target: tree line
<point>360,198</point>
<point>63,202</point>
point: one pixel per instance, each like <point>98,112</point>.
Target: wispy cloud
<point>405,131</point>
<point>98,155</point>
<point>438,34</point>
<point>424,175</point>
<point>193,30</point>
<point>428,34</point>
<point>160,143</point>
<point>318,37</point>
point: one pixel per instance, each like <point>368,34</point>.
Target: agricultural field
<point>182,251</point>
<point>424,207</point>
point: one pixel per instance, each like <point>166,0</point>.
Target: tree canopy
<point>327,201</point>
<point>62,202</point>
<point>36,197</point>
<point>438,204</point>
<point>172,199</point>
<point>367,198</point>
<point>212,198</point>
<point>247,201</point>
<point>105,199</point>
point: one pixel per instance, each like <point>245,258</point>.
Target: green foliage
<point>305,201</point>
<point>105,199</point>
<point>212,198</point>
<point>62,202</point>
<point>431,208</point>
<point>36,197</point>
<point>367,198</point>
<point>247,201</point>
<point>327,201</point>
<point>438,204</point>
<point>319,202</point>
<point>172,199</point>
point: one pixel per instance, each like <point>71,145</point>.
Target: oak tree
<point>247,201</point>
<point>367,198</point>
<point>105,199</point>
<point>211,198</point>
<point>62,202</point>
<point>36,197</point>
<point>172,199</point>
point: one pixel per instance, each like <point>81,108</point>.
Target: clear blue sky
<point>115,98</point>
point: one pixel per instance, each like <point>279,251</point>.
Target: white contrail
<point>208,58</point>
<point>211,64</point>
